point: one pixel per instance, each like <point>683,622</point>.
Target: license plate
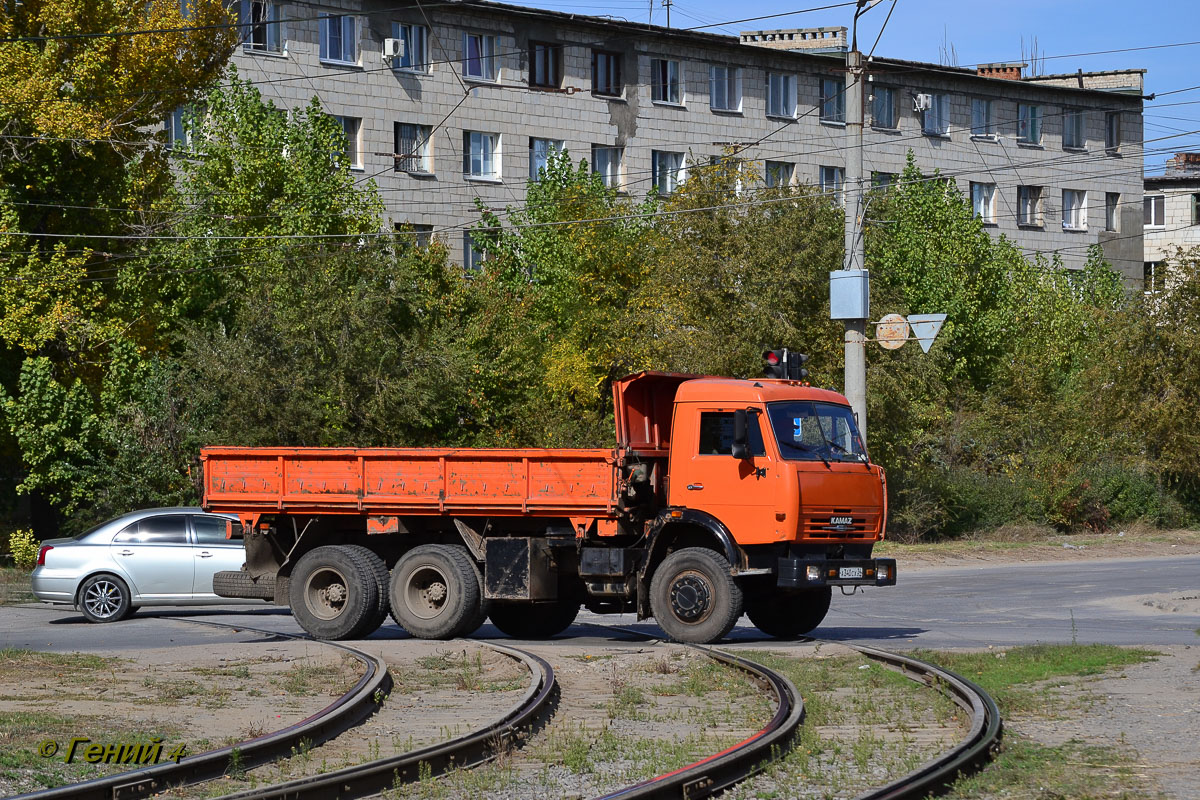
<point>850,572</point>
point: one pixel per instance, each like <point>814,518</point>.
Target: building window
<point>936,121</point>
<point>1029,124</point>
<point>725,88</point>
<point>667,170</point>
<point>1074,210</point>
<point>1196,209</point>
<point>412,148</point>
<point>1153,210</point>
<point>1073,129</point>
<point>882,180</point>
<point>1151,276</point>
<point>606,162</point>
<point>1029,206</point>
<point>833,100</point>
<point>781,95</point>
<point>479,57</point>
<point>831,182</point>
<point>412,234</point>
<point>779,173</point>
<point>883,107</point>
<point>544,61</point>
<point>540,151</point>
<point>1112,205</point>
<point>982,121</point>
<point>606,73</point>
<point>1112,130</point>
<point>261,29</point>
<point>416,47</point>
<point>481,155</point>
<point>339,39</point>
<point>665,86</point>
<point>983,201</point>
<point>473,258</point>
<point>178,127</point>
<point>352,133</point>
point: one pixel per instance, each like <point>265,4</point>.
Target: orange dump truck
<point>722,497</point>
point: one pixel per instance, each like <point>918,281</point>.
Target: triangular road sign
<point>925,328</point>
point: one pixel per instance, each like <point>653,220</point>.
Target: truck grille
<point>840,523</point>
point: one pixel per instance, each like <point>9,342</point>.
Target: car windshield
<point>808,431</point>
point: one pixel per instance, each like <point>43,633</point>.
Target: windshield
<point>808,431</point>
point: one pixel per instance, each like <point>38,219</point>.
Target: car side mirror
<point>740,450</point>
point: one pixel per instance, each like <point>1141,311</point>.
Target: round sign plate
<point>892,331</point>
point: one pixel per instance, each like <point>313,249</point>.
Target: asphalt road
<point>1009,604</point>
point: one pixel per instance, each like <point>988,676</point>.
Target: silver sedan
<point>155,557</point>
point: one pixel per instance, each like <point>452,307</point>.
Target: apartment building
<point>1171,216</point>
<point>447,104</point>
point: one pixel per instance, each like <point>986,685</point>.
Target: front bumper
<point>807,573</point>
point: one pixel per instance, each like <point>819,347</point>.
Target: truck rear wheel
<point>534,620</point>
<point>786,616</point>
<point>693,596</point>
<point>436,592</point>
<point>333,592</point>
<point>382,578</point>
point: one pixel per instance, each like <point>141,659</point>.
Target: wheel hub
<point>690,598</point>
<point>334,595</point>
<point>436,593</point>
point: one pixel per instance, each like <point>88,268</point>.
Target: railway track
<point>705,777</point>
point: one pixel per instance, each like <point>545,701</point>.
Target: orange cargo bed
<point>425,481</point>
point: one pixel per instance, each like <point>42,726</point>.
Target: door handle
<point>695,487</point>
<point>125,553</point>
<point>205,554</point>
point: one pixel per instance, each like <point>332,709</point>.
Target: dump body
<point>423,482</point>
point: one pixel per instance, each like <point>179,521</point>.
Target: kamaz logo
<point>841,520</point>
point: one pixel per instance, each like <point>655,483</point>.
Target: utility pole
<point>856,329</point>
<point>667,6</point>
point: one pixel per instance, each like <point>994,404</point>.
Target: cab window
<point>716,434</point>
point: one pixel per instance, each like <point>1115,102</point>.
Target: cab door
<point>741,493</point>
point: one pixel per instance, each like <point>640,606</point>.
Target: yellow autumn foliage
<point>90,68</point>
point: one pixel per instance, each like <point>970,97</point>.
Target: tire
<point>333,592</point>
<point>435,592</point>
<point>534,620</point>
<point>382,577</point>
<point>230,583</point>
<point>105,598</point>
<point>786,616</point>
<point>484,608</point>
<point>693,596</point>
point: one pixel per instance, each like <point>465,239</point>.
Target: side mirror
<point>740,450</point>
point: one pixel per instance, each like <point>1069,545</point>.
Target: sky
<point>984,32</point>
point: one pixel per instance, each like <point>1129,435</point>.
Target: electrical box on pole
<point>849,294</point>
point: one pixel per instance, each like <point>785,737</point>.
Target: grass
<point>303,678</point>
<point>460,670</point>
<point>1073,770</point>
<point>21,732</point>
<point>14,586</point>
<point>1016,678</point>
<point>1015,538</point>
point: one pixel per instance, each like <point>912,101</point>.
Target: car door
<point>154,553</point>
<point>213,553</point>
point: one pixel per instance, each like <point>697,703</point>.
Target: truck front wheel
<point>436,592</point>
<point>693,596</point>
<point>334,592</point>
<point>786,616</point>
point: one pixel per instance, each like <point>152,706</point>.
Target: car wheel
<point>436,592</point>
<point>105,598</point>
<point>693,596</point>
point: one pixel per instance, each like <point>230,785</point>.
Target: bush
<point>24,548</point>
